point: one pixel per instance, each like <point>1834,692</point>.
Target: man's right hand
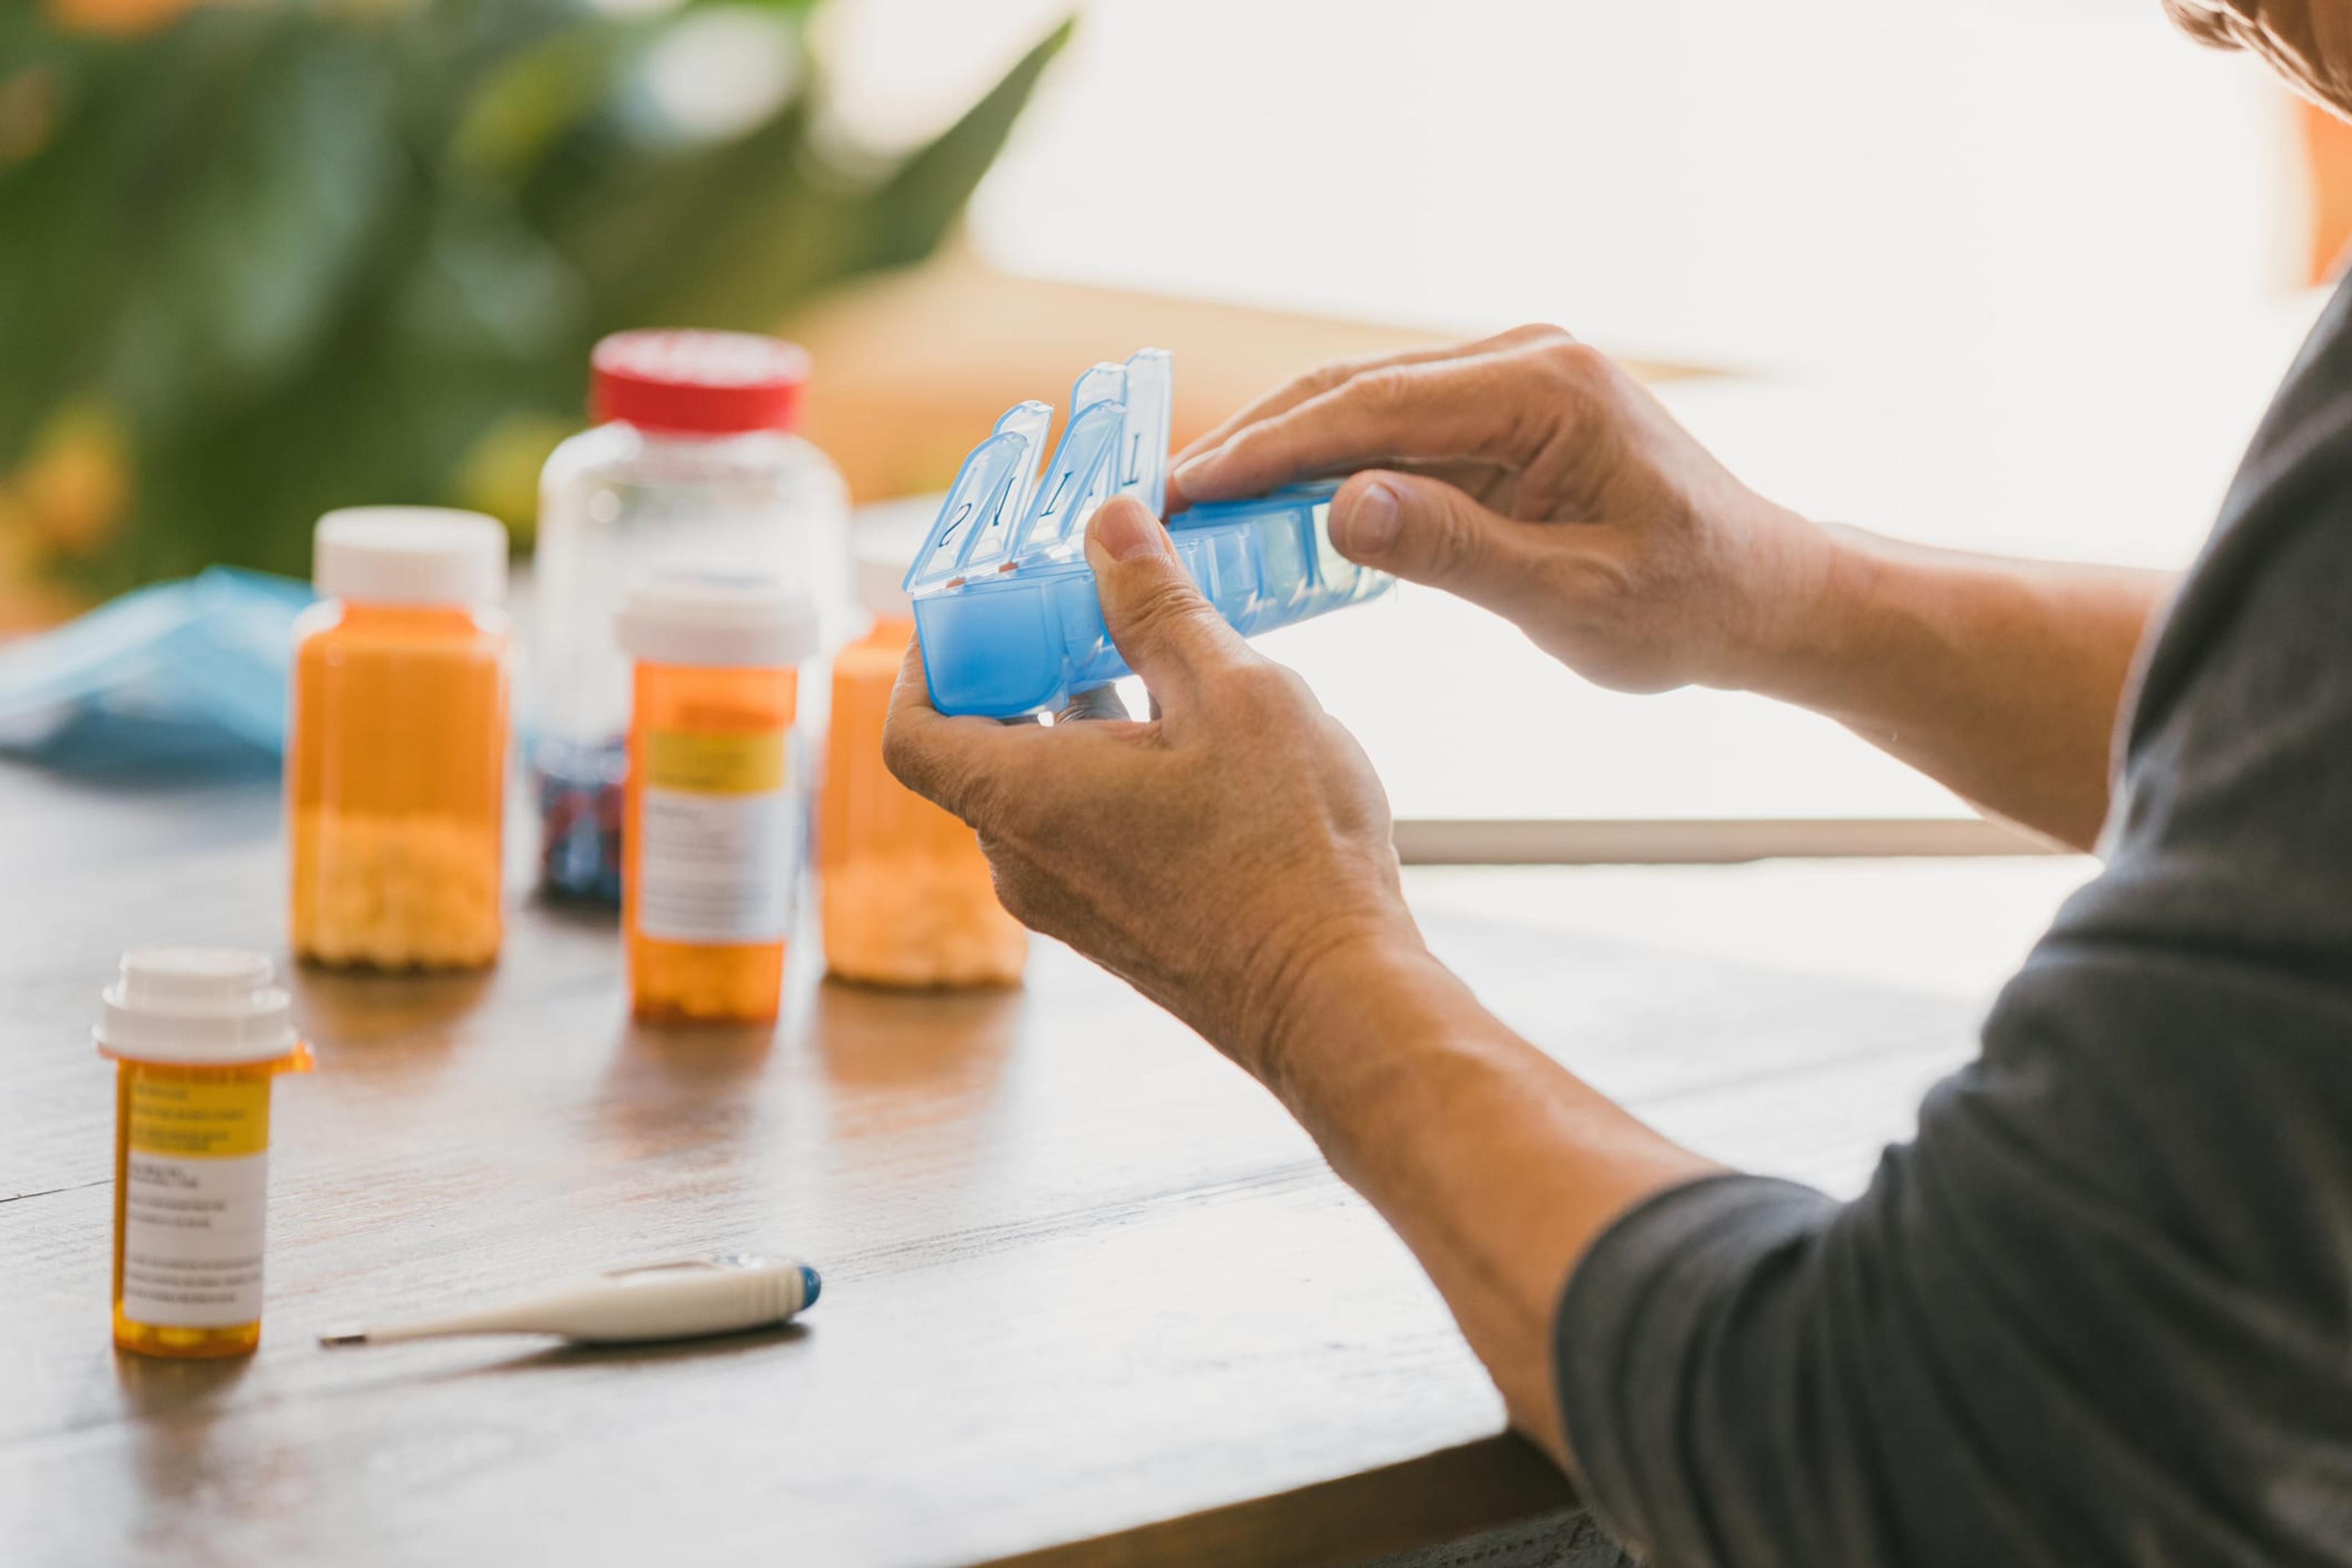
<point>1529,474</point>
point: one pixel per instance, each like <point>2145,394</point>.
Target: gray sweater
<point>2099,1310</point>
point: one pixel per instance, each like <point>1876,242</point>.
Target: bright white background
<point>2011,274</point>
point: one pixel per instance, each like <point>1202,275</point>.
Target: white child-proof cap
<point>207,1006</point>
<point>881,583</point>
<point>885,538</point>
<point>727,623</point>
<point>409,555</point>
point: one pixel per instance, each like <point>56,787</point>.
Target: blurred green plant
<point>261,260</point>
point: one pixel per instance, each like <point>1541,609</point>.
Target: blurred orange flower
<point>29,601</point>
<point>120,18</point>
<point>75,486</point>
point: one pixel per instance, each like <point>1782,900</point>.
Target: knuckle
<point>1447,544</point>
<point>1330,377</point>
<point>1262,687</point>
<point>1168,600</point>
<point>981,799</point>
<point>951,782</point>
<point>1295,690</point>
<point>1013,884</point>
<point>1347,372</point>
<point>1389,390</point>
<point>1539,332</point>
<point>1573,363</point>
<point>905,757</point>
<point>1590,578</point>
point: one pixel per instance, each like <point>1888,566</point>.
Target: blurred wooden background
<point>912,368</point>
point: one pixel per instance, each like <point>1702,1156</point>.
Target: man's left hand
<point>1215,856</point>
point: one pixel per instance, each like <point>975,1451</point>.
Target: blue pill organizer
<point>1005,606</point>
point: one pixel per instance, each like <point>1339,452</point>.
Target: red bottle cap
<point>708,383</point>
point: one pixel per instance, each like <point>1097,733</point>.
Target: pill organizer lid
<point>988,497</point>
<point>698,383</point>
<point>1002,510</point>
<point>201,1007</point>
<point>716,621</point>
<point>409,555</point>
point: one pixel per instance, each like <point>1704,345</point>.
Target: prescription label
<point>195,1195</point>
<point>719,841</point>
<point>715,763</point>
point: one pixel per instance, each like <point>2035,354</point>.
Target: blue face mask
<point>181,676</point>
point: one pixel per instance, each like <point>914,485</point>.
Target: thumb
<point>1426,530</point>
<point>1167,632</point>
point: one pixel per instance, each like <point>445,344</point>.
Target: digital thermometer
<point>723,1294</point>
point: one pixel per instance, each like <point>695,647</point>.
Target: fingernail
<point>1371,525</point>
<point>1194,468</point>
<point>1126,531</point>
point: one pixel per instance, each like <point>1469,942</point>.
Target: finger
<point>1102,702</point>
<point>1461,410</point>
<point>1322,379</point>
<point>1491,485</point>
<point>1425,531</point>
<point>953,763</point>
<point>1167,632</point>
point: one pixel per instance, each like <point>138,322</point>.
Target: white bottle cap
<point>727,623</point>
<point>409,555</point>
<point>886,538</point>
<point>209,1006</point>
<point>881,585</point>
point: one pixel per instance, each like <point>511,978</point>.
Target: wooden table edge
<point>1439,1496</point>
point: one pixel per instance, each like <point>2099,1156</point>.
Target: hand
<point>1231,857</point>
<point>1214,856</point>
<point>1531,475</point>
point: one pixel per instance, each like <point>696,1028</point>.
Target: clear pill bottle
<point>396,758</point>
<point>714,820</point>
<point>196,1036</point>
<point>906,896</point>
<point>692,466</point>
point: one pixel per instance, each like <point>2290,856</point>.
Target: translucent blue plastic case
<point>1004,602</point>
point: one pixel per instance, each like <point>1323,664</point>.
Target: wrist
<point>1804,587</point>
<point>1346,1009</point>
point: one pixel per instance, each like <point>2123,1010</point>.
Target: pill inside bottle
<point>714,821</point>
<point>197,1037</point>
<point>907,895</point>
<point>396,762</point>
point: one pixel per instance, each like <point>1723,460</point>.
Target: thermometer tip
<point>346,1335</point>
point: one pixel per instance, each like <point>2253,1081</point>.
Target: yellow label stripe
<point>715,764</point>
<point>203,1117</point>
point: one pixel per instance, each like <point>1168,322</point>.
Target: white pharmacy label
<point>717,868</point>
<point>192,1234</point>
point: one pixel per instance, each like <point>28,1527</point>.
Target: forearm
<point>1496,1165</point>
<point>2001,679</point>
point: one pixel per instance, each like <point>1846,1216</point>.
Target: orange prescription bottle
<point>395,762</point>
<point>907,895</point>
<point>711,823</point>
<point>197,1035</point>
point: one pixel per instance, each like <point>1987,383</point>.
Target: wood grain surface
<point>1088,1293</point>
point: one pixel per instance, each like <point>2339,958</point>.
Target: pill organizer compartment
<point>1005,606</point>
